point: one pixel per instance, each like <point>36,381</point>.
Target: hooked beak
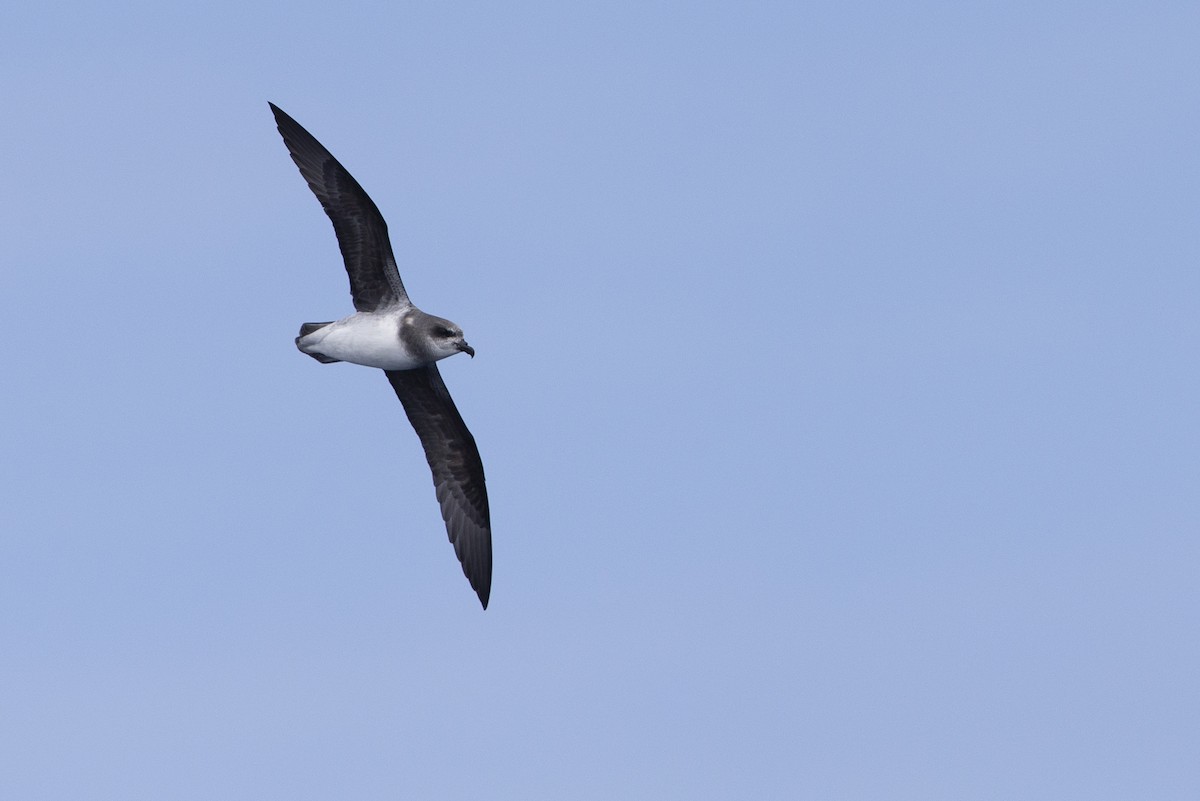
<point>465,348</point>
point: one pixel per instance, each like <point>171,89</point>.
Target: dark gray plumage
<point>388,331</point>
<point>457,470</point>
<point>361,231</point>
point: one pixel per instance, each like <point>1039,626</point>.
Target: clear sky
<point>836,383</point>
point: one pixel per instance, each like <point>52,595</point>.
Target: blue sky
<point>836,384</point>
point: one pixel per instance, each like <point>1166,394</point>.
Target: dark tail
<point>305,330</point>
<point>308,328</point>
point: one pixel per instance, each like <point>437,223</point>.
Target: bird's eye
<point>445,332</point>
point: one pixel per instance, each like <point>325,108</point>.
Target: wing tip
<point>479,573</point>
<point>482,584</point>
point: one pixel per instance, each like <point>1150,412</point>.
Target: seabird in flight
<point>387,331</point>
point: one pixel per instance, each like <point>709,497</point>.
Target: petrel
<point>387,331</point>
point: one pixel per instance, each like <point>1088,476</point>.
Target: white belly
<point>372,340</point>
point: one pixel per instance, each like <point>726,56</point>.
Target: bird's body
<point>390,339</point>
<point>388,332</point>
<point>367,338</point>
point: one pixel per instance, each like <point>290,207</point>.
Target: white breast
<point>372,340</point>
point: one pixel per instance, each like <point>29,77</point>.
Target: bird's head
<point>445,338</point>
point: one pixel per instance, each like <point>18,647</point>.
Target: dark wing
<point>457,470</point>
<point>361,232</point>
